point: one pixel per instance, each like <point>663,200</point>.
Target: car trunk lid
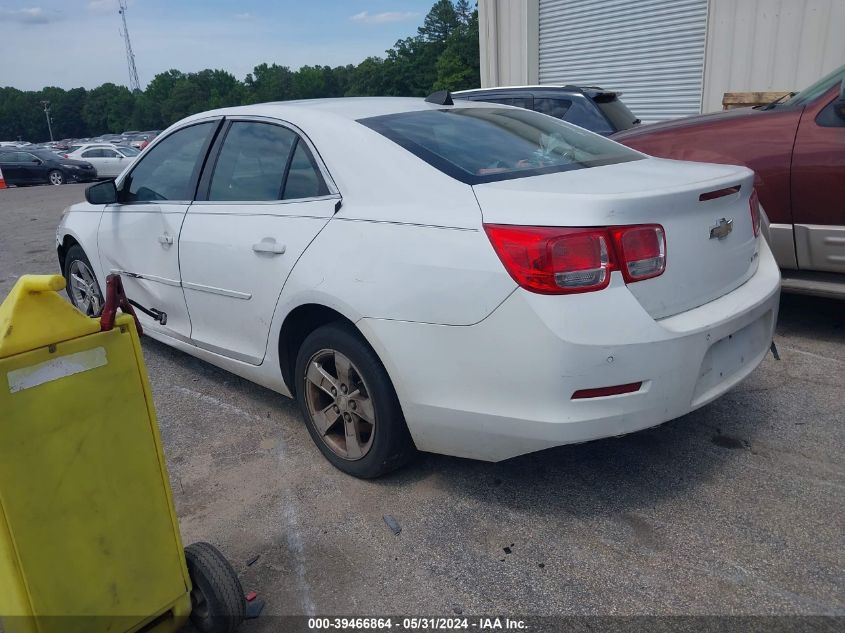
<point>704,209</point>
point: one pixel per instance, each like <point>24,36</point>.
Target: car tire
<point>82,286</point>
<point>56,177</point>
<point>361,447</point>
<point>217,597</point>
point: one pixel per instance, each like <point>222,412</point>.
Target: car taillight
<point>754,203</point>
<point>552,260</point>
<point>642,249</point>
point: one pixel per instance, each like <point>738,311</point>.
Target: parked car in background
<point>139,141</point>
<point>797,149</point>
<point>38,166</point>
<point>109,161</point>
<point>597,110</point>
<point>468,278</point>
<point>77,145</point>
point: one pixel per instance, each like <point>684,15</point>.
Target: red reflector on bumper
<point>599,392</point>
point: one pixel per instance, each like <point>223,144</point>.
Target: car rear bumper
<point>503,387</point>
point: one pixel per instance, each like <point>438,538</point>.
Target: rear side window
<point>519,102</point>
<point>93,153</point>
<point>552,106</point>
<point>477,145</point>
<point>617,112</point>
<point>251,165</point>
<point>304,179</point>
<point>585,114</point>
<point>168,171</point>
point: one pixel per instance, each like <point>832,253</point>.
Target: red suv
<point>796,146</point>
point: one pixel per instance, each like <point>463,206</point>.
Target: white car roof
<point>90,145</point>
<point>350,108</point>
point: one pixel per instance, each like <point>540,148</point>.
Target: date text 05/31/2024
<point>416,624</point>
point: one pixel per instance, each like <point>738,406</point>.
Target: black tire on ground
<point>74,253</point>
<point>56,177</point>
<point>217,599</point>
<point>392,446</point>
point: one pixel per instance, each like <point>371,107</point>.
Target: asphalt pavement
<point>737,508</point>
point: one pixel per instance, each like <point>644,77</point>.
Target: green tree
<point>442,55</point>
<point>68,121</point>
<point>108,108</point>
<point>458,66</point>
<point>269,83</point>
<point>440,22</point>
<point>368,78</point>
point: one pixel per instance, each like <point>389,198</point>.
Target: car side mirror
<point>102,193</point>
<point>37,161</point>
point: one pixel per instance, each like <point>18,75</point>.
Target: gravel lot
<point>737,508</point>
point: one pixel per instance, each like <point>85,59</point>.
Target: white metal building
<point>669,58</point>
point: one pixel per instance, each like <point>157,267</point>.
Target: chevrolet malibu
<point>463,278</point>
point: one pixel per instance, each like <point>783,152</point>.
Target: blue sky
<point>71,43</point>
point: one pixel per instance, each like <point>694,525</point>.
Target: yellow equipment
<point>89,539</point>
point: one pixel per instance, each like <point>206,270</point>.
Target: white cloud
<point>32,15</point>
<point>244,16</point>
<point>382,18</point>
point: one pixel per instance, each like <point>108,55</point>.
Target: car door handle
<point>269,245</point>
<point>165,240</point>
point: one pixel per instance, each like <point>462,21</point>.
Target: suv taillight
<point>552,260</point>
<point>754,203</point>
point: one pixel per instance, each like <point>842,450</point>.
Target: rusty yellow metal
<point>89,539</point>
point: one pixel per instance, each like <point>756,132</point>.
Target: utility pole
<point>134,83</point>
<point>46,105</point>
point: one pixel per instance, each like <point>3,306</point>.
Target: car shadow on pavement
<point>628,473</point>
<point>812,317</point>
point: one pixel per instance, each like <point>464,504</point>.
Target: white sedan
<point>108,160</point>
<point>469,279</point>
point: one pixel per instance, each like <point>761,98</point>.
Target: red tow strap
<point>116,298</point>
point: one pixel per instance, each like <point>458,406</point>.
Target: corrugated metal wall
<point>771,45</point>
<point>651,50</point>
<point>508,41</point>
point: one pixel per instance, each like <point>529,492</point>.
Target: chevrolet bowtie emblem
<point>722,229</point>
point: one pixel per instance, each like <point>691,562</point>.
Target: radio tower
<point>134,83</point>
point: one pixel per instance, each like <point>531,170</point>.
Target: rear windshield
<point>477,145</point>
<point>617,112</point>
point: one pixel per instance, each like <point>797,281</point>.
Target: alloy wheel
<point>339,404</point>
<point>84,289</point>
<point>56,178</point>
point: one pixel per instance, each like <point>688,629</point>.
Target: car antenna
<point>441,97</point>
